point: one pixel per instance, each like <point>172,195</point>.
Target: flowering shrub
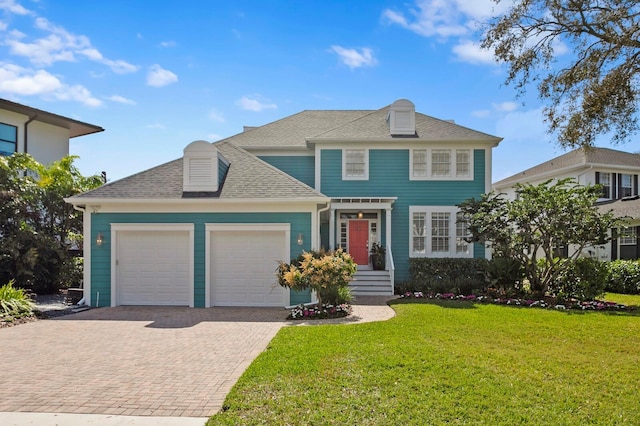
<point>302,312</point>
<point>327,273</point>
<point>592,305</point>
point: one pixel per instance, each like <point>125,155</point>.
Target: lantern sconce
<point>300,239</point>
<point>99,239</point>
<point>360,214</point>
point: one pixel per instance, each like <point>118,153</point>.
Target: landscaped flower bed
<point>593,305</point>
<point>303,312</point>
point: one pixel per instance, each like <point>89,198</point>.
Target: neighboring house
<point>616,171</point>
<point>43,135</point>
<point>207,229</point>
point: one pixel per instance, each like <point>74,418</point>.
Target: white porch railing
<point>390,266</point>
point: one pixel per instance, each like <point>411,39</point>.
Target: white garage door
<point>243,265</point>
<point>153,268</point>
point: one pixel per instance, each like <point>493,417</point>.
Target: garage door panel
<point>153,268</point>
<point>243,265</point>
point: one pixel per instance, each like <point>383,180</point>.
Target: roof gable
<point>580,157</point>
<point>248,177</point>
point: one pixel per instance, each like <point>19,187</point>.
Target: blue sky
<point>158,77</point>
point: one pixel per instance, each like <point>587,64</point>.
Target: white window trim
<point>344,164</point>
<point>452,210</point>
<point>631,239</point>
<point>453,164</point>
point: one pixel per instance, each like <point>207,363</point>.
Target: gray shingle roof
<point>577,157</point>
<point>295,130</point>
<point>623,208</point>
<point>374,125</point>
<point>248,177</point>
<point>290,132</point>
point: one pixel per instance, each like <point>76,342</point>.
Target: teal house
<point>208,229</point>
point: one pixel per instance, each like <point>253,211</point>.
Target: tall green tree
<point>584,57</point>
<point>541,219</point>
<point>37,228</point>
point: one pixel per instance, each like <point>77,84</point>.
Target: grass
<point>627,299</point>
<point>449,362</point>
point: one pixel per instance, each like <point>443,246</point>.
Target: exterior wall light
<point>300,239</point>
<point>99,239</point>
<point>360,214</point>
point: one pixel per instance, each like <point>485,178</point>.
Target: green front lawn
<point>448,362</point>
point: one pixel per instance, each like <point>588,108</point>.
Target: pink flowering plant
<point>328,273</point>
<point>302,312</point>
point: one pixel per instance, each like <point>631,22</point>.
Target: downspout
<point>26,132</point>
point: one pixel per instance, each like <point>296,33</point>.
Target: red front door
<point>358,239</point>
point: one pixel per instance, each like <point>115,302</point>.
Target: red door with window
<point>358,241</point>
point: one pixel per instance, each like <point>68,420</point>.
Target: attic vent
<point>402,118</point>
<point>200,167</point>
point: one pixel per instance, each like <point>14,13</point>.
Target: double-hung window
<point>441,164</point>
<point>8,139</point>
<point>626,185</point>
<point>438,231</point>
<point>355,164</point>
<point>629,236</point>
<point>605,181</point>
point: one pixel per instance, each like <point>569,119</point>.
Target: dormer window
<point>200,167</point>
<point>402,118</point>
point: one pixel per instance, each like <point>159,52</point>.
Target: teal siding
<point>101,256</point>
<point>300,167</point>
<point>222,170</point>
<point>389,177</point>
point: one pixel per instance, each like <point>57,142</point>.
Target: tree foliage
<point>37,228</point>
<point>541,219</point>
<point>595,91</point>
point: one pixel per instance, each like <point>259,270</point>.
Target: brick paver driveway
<point>132,360</point>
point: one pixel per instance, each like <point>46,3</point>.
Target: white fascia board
<point>540,176</point>
<point>193,201</point>
<point>280,149</point>
<point>288,152</point>
<point>204,208</point>
<point>413,144</point>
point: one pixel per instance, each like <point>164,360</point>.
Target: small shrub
<point>583,279</point>
<point>624,277</point>
<point>446,275</point>
<point>14,302</point>
<point>327,273</point>
<point>504,273</point>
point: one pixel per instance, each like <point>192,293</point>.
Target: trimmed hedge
<point>624,277</point>
<point>447,275</point>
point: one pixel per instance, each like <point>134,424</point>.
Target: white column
<point>388,225</point>
<point>332,229</point>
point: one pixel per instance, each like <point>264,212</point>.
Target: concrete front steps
<point>371,283</point>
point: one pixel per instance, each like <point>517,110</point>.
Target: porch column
<point>388,225</point>
<point>332,228</point>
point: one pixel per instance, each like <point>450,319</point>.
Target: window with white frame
<point>355,164</point>
<point>605,181</point>
<point>438,231</point>
<point>419,163</point>
<point>628,236</point>
<point>441,164</point>
<point>626,185</point>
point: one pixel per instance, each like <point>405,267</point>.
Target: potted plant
<point>378,256</point>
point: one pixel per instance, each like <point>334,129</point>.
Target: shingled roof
<point>248,177</point>
<point>628,207</point>
<point>311,125</point>
<point>581,157</point>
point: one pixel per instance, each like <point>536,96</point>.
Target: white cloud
<point>12,7</point>
<point>254,104</point>
<point>16,80</point>
<point>216,116</point>
<point>121,100</point>
<point>354,59</point>
<point>468,51</point>
<point>158,76</point>
<point>168,44</point>
<point>3,26</point>
<point>481,113</point>
<point>505,106</point>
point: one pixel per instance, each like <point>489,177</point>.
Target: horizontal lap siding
<point>101,256</point>
<point>299,167</point>
<point>389,177</point>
